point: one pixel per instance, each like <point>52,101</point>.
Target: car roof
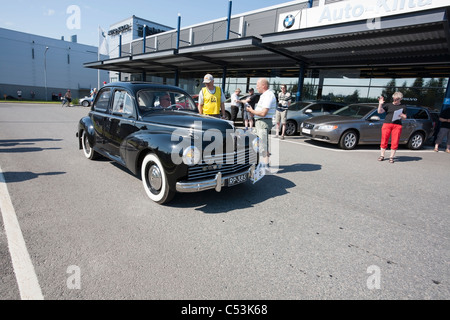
<point>139,85</point>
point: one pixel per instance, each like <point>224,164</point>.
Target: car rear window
<point>354,111</point>
<point>102,102</point>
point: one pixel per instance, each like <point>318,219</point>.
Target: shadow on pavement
<point>243,196</point>
<point>16,176</point>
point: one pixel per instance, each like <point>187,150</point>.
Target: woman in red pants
<point>392,126</point>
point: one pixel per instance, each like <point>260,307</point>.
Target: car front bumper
<point>325,136</point>
<point>253,174</point>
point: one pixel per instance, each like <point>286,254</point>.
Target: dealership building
<point>351,50</point>
<point>339,50</point>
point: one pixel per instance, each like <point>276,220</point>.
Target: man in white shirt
<point>263,113</point>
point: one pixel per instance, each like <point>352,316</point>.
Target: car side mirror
<point>307,111</point>
<point>374,118</point>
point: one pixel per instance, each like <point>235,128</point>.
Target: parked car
<point>361,124</point>
<point>85,102</point>
<point>157,132</point>
<point>303,110</point>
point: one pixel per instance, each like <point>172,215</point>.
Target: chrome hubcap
<point>87,147</point>
<point>155,178</point>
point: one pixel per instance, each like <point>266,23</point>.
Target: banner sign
<point>353,10</point>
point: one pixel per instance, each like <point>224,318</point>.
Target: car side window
<point>123,104</point>
<point>418,114</point>
<point>315,107</point>
<point>330,107</point>
<point>102,103</point>
<point>380,115</point>
<point>294,107</point>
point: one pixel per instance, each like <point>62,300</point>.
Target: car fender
<point>86,125</point>
<point>139,144</point>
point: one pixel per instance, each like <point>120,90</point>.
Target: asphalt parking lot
<point>329,224</point>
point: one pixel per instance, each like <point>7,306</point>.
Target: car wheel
<point>85,103</point>
<point>291,128</point>
<point>88,151</point>
<point>227,115</point>
<point>416,141</point>
<point>349,140</point>
<point>154,179</point>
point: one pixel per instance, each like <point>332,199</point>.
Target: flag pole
<point>98,59</point>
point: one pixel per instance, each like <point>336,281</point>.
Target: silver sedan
<point>304,110</point>
<point>361,124</point>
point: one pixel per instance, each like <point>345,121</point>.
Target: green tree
<point>389,90</point>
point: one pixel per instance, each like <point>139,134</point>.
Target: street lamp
<point>45,72</point>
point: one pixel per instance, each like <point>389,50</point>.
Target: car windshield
<point>354,111</point>
<point>151,100</point>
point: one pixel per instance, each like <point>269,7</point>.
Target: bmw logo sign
<point>289,21</point>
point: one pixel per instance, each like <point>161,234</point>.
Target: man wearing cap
<point>211,99</point>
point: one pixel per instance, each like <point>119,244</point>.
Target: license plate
<point>237,179</point>
<point>307,131</point>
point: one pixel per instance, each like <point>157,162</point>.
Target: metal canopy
<point>417,39</point>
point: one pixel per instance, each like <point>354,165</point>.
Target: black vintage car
<point>157,132</point>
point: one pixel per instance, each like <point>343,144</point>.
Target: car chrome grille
<point>308,126</point>
<point>228,163</point>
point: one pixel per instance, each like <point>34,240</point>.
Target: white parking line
<point>332,148</point>
<point>23,267</point>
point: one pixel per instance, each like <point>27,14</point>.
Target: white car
<point>228,107</point>
<point>85,102</point>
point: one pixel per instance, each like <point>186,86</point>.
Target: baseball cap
<point>208,78</point>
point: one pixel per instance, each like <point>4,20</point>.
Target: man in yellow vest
<point>211,99</point>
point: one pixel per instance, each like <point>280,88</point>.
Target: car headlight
<point>255,144</point>
<point>191,156</point>
<point>327,128</point>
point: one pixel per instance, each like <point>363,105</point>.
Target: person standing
<point>263,113</point>
<point>284,101</point>
<point>211,99</point>
<point>68,98</point>
<point>235,104</point>
<point>392,126</point>
<point>252,101</point>
<point>444,131</point>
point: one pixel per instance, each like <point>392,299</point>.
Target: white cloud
<point>49,12</point>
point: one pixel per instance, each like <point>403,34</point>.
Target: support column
<point>301,79</point>
<point>144,38</point>
<point>446,103</point>
<point>120,54</point>
<point>224,78</point>
<point>177,78</point>
<point>320,88</point>
<point>229,20</point>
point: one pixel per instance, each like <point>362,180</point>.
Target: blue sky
<point>49,18</point>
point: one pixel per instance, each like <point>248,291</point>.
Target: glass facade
<point>357,85</point>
